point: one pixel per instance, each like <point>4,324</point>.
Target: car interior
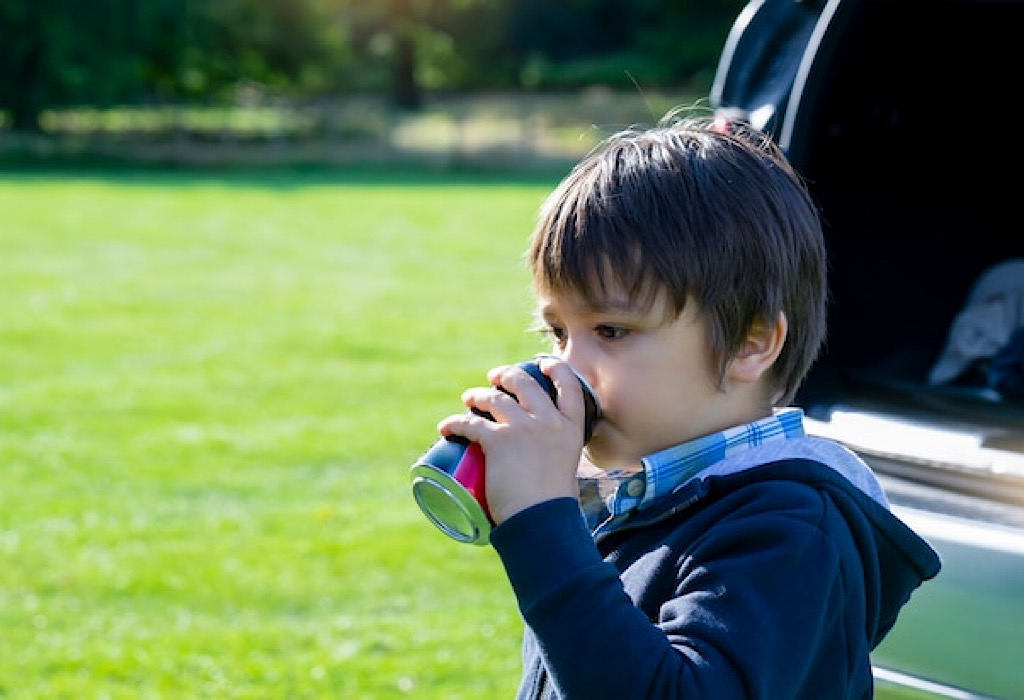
<point>904,135</point>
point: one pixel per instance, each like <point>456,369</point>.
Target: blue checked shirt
<point>612,494</point>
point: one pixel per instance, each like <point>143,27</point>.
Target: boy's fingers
<point>520,387</point>
<point>570,395</point>
<point>513,389</point>
<point>467,425</point>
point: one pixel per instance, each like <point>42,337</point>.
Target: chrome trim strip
<point>807,64</point>
<point>953,458</point>
<point>905,680</point>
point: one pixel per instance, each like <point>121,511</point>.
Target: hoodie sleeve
<point>765,599</point>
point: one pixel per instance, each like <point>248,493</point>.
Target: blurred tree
<point>685,35</point>
<point>561,43</point>
<point>282,46</point>
<point>416,37</point>
<point>57,53</point>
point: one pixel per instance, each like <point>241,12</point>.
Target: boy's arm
<point>755,609</point>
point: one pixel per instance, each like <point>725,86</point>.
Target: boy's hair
<point>706,211</point>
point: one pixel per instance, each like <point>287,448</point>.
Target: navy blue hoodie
<point>768,581</point>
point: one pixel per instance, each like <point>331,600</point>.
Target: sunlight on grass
<point>210,393</point>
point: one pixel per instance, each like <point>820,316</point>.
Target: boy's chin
<point>598,457</point>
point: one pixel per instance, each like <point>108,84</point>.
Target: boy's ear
<point>758,353</point>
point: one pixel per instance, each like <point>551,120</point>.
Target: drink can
<point>449,479</point>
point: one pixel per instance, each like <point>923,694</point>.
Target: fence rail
<point>503,129</point>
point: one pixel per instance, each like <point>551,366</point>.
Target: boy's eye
<point>556,334</point>
<point>612,332</point>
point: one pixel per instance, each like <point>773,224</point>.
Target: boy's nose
<point>575,355</point>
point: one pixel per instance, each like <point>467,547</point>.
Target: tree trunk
<point>24,117</point>
<point>404,89</point>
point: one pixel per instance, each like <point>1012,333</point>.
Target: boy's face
<point>651,371</point>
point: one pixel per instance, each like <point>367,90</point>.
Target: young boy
<point>703,547</point>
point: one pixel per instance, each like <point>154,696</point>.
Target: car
<point>899,117</point>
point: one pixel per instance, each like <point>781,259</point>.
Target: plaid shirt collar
<point>617,493</point>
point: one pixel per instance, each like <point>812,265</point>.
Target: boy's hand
<point>532,446</point>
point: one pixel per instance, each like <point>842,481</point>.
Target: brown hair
<point>704,210</point>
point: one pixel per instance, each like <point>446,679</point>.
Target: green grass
<point>211,389</point>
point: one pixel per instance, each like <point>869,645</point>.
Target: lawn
<point>211,389</point>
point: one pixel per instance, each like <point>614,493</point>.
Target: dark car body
<point>898,115</point>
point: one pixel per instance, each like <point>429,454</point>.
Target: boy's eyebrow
<point>617,304</point>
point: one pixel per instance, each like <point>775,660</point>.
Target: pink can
<point>449,479</point>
